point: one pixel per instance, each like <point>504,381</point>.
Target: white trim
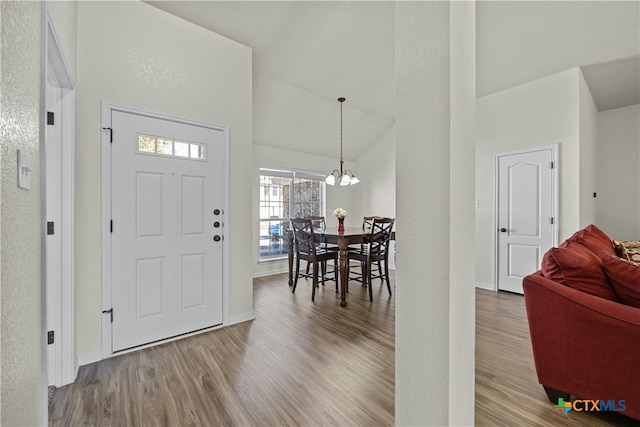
<point>89,357</point>
<point>56,70</point>
<point>106,112</point>
<point>554,185</point>
<point>273,272</point>
<point>487,286</point>
<point>242,317</point>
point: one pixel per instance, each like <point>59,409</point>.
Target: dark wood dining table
<point>343,239</point>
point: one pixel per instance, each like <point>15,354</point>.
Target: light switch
<point>24,170</point>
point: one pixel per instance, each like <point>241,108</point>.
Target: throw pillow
<point>629,250</point>
<point>594,239</point>
<point>624,277</point>
<point>577,267</point>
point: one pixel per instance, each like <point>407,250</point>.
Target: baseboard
<point>270,272</point>
<point>90,357</point>
<point>487,286</point>
<point>242,317</point>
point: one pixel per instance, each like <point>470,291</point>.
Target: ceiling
<point>306,54</point>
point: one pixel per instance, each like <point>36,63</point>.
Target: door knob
<point>216,238</point>
<point>503,230</point>
<point>216,211</point>
<point>216,224</point>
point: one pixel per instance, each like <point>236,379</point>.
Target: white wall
<point>345,197</point>
<point>618,201</point>
<point>588,135</point>
<point>434,195</point>
<point>22,382</point>
<point>376,169</point>
<point>132,54</point>
<point>541,112</point>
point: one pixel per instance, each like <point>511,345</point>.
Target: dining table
<point>350,236</point>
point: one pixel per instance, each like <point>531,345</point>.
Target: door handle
<point>503,230</point>
<point>217,238</point>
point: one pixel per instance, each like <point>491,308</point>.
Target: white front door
<point>525,217</point>
<point>166,239</point>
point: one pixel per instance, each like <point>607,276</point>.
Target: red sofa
<point>585,329</point>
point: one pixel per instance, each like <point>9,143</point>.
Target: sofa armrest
<point>583,345</point>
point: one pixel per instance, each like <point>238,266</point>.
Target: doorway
<point>526,212</point>
<point>59,235</point>
<point>166,228</point>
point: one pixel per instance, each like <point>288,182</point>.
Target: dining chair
<point>319,223</point>
<point>307,248</point>
<point>367,223</point>
<point>376,251</point>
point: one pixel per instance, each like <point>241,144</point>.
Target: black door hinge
<point>110,311</point>
<point>110,134</point>
<point>50,337</point>
<point>111,225</point>
<point>50,228</point>
<point>50,118</point>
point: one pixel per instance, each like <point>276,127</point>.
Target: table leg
<point>344,270</point>
<point>290,239</point>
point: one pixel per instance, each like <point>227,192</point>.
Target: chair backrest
<point>380,236</point>
<point>367,222</point>
<point>303,234</point>
<point>318,222</point>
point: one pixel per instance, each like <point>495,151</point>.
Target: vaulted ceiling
<point>306,54</point>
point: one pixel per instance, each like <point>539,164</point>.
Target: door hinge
<point>50,228</point>
<point>111,226</point>
<point>110,311</point>
<point>553,165</point>
<point>50,337</point>
<point>552,221</point>
<point>50,118</point>
<point>110,133</point>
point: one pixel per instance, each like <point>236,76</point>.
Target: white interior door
<point>526,199</point>
<point>166,239</point>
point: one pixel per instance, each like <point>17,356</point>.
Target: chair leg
<point>386,273</point>
<point>295,279</point>
<point>363,269</point>
<point>315,281</point>
<point>323,272</point>
<point>368,279</point>
<point>380,272</point>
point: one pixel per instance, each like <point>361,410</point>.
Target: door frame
<point>106,111</point>
<point>554,197</point>
<point>61,309</point>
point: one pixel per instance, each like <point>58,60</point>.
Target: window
<point>286,194</point>
<point>167,147</point>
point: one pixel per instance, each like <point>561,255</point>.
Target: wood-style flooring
<point>304,363</point>
<point>298,363</point>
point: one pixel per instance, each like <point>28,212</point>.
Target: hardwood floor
<point>304,363</point>
<point>298,363</point>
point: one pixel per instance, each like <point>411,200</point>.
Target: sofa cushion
<point>629,250</point>
<point>594,239</point>
<point>624,277</point>
<point>575,266</point>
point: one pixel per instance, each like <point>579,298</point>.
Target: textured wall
<point>422,206</point>
<point>22,336</point>
<point>132,54</point>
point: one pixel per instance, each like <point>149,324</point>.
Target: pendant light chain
<point>344,177</point>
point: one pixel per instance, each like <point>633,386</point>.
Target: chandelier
<point>344,177</point>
